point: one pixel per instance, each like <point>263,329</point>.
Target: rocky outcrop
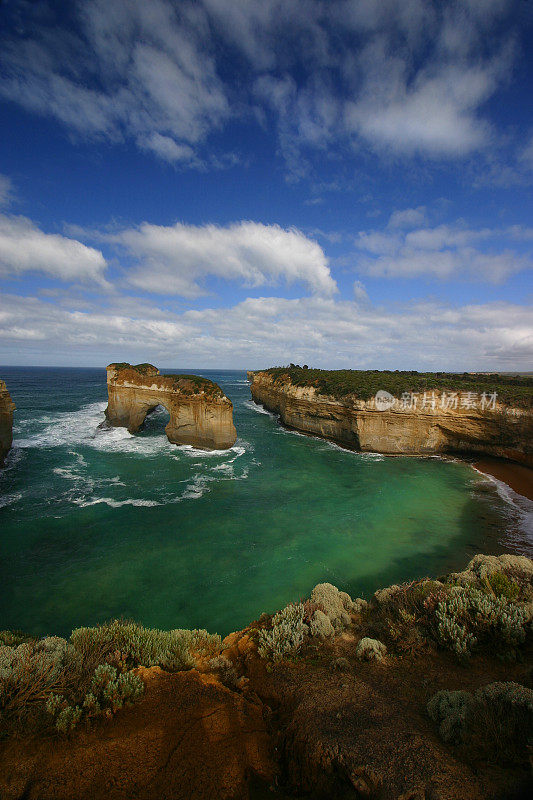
<point>328,720</point>
<point>189,738</point>
<point>200,413</point>
<point>501,431</point>
<point>7,406</point>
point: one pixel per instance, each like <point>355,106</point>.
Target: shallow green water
<point>97,524</point>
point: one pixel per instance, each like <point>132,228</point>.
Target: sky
<point>238,184</point>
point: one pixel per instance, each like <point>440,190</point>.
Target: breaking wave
<point>10,499</point>
<point>522,509</point>
<point>259,409</point>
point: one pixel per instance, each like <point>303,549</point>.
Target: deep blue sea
<point>96,524</point>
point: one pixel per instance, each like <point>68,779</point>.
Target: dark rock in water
<point>7,406</point>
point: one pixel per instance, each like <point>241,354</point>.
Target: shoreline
<point>517,477</point>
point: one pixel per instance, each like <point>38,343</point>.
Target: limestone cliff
<point>503,431</point>
<point>7,406</point>
<point>200,413</point>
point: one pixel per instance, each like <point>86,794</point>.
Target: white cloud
<point>265,331</point>
<point>444,252</point>
<point>175,259</point>
<point>401,77</point>
<point>359,292</point>
<point>434,115</point>
<point>25,248</point>
<point>397,76</point>
<point>408,217</point>
<point>135,70</point>
<point>166,148</point>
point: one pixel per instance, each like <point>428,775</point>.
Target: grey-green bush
<point>467,616</point>
<point>496,721</point>
<point>370,650</point>
<point>450,711</point>
<point>109,692</point>
<point>286,635</point>
<point>172,650</point>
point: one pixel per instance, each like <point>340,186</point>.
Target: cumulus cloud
<point>397,76</point>
<point>434,114</point>
<point>176,259</point>
<point>263,331</point>
<point>442,251</point>
<point>26,248</point>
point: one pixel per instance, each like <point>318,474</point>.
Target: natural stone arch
<point>141,410</point>
<point>200,414</point>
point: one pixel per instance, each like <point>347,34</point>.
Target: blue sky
<point>240,183</point>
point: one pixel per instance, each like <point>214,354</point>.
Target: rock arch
<point>200,413</point>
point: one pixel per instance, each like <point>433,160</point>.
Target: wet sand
<point>517,476</point>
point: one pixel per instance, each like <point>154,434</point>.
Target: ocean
<point>96,523</point>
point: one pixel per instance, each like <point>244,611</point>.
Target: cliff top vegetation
<point>425,683</point>
<point>188,384</point>
<point>513,390</point>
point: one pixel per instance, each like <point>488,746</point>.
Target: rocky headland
<point>453,414</point>
<point>200,413</point>
<point>7,406</point>
<point>422,692</point>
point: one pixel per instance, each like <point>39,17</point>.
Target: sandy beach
<point>517,476</point>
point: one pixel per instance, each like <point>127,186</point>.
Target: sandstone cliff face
<point>200,413</point>
<point>359,425</point>
<point>7,406</point>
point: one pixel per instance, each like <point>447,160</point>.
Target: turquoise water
<point>97,523</point>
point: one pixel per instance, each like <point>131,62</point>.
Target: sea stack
<point>200,413</point>
<point>7,406</point>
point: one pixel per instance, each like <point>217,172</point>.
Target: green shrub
<point>133,645</point>
<point>516,390</point>
<point>467,617</point>
<point>69,681</point>
<point>503,586</point>
<point>286,635</point>
<point>320,625</point>
<point>370,650</point>
<point>29,672</point>
<point>110,691</point>
<point>404,614</point>
<point>14,638</point>
<point>333,603</point>
<point>502,725</point>
<point>450,711</point>
<point>225,669</point>
<point>68,718</point>
<point>495,722</point>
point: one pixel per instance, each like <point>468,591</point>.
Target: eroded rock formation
<point>7,406</point>
<point>357,424</point>
<point>200,413</point>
